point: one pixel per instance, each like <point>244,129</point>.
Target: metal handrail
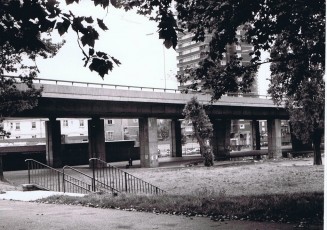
<point>128,87</point>
<point>103,85</point>
<point>120,179</point>
<point>53,179</point>
<point>93,179</point>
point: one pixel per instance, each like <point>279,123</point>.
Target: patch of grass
<point>280,207</point>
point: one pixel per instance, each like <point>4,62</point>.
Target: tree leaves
<point>103,3</point>
<point>102,66</point>
<point>167,29</point>
<point>62,27</point>
<point>89,37</point>
<point>71,1</point>
<point>89,19</point>
<point>101,24</point>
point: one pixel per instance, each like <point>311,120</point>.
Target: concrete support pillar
<point>255,135</point>
<point>221,138</point>
<point>176,138</point>
<point>53,143</point>
<point>97,147</point>
<point>148,142</point>
<point>1,169</point>
<point>274,138</point>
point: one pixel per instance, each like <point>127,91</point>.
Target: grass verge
<point>307,207</point>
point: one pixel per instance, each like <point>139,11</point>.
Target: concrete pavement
<point>17,215</point>
<point>32,195</point>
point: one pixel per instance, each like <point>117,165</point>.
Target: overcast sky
<point>132,39</point>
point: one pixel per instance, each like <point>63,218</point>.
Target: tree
<point>25,24</point>
<point>163,129</point>
<point>194,112</point>
<point>294,34</point>
<point>306,103</point>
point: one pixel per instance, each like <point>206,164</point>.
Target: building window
<point>110,122</point>
<point>2,137</point>
<point>11,125</point>
<point>110,135</point>
<point>242,126</point>
<point>33,125</point>
<point>135,120</point>
<point>81,123</point>
<point>33,136</point>
<point>17,126</point>
<point>17,137</point>
<point>65,123</point>
<point>238,47</point>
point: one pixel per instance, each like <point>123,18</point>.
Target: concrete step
<point>32,187</point>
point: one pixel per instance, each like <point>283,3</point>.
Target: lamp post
<point>164,60</point>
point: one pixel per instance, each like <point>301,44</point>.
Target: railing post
<point>29,173</point>
<point>125,181</point>
<point>63,181</point>
<point>59,181</point>
<point>93,174</point>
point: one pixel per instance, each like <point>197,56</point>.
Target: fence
<point>120,180</point>
<point>52,179</point>
<point>104,178</point>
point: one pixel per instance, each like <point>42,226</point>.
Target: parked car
<point>193,151</point>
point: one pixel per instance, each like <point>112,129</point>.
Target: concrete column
<point>1,169</point>
<point>274,138</point>
<point>97,147</point>
<point>255,135</point>
<point>221,138</point>
<point>53,143</point>
<point>176,138</point>
<point>148,142</point>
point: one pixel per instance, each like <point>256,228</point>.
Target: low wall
<point>71,154</point>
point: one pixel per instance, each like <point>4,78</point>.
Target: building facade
<point>190,53</point>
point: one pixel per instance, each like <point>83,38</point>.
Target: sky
<point>133,40</point>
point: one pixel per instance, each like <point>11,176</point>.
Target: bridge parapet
<point>95,91</point>
<point>128,87</point>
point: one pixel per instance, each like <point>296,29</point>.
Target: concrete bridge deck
<point>71,99</point>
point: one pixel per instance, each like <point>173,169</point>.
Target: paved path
<point>17,215</point>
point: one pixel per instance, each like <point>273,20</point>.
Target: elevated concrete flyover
<point>64,99</point>
<point>100,101</point>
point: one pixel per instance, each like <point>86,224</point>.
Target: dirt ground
<point>233,178</point>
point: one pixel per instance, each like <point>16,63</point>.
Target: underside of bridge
<point>149,141</point>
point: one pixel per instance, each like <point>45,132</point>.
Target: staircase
<point>120,180</point>
<point>105,178</point>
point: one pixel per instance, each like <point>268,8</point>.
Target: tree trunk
<point>316,141</point>
<point>205,150</point>
<point>2,178</point>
